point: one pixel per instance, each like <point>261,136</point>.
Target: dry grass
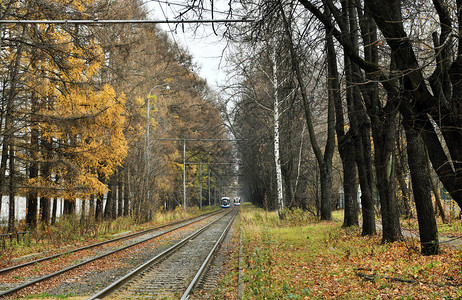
<point>321,260</point>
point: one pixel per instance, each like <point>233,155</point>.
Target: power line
<point>97,21</point>
<point>170,3</point>
<point>202,140</point>
<point>216,163</point>
<point>184,140</point>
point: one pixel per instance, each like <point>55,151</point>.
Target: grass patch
<point>318,260</point>
<point>451,229</point>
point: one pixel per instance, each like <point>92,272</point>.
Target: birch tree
<point>277,156</point>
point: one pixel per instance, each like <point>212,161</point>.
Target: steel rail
<point>121,281</point>
<point>46,277</point>
<point>206,262</point>
<point>15,267</point>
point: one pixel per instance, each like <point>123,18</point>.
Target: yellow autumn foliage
<point>81,120</point>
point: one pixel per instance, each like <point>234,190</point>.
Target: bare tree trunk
<point>364,163</point>
<point>383,133</point>
<point>45,201</point>
<point>363,152</point>
<point>54,211</point>
<point>2,117</point>
<point>346,145</point>
<point>350,183</point>
<point>8,114</point>
<point>404,191</point>
<point>324,160</point>
<point>32,197</point>
<point>99,211</point>
<point>277,158</point>
<point>110,211</point>
<point>69,207</point>
<point>436,192</point>
<point>91,208</point>
<point>401,162</point>
<point>119,193</point>
<point>32,203</point>
<point>446,84</point>
<point>99,207</point>
<point>3,162</point>
<point>126,191</point>
<point>113,181</point>
<point>82,211</point>
<point>421,186</point>
<point>109,204</point>
<point>45,210</point>
<point>11,191</point>
<point>47,149</point>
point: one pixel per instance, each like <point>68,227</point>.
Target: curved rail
<point>123,280</point>
<point>43,278</point>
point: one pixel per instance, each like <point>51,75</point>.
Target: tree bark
<point>370,93</point>
<point>110,211</point>
<point>32,197</point>
<point>99,211</point>
<point>404,190</point>
<point>46,149</point>
<point>109,203</point>
<point>54,211</point>
<point>324,160</point>
<point>126,192</point>
<point>8,130</point>
<point>91,212</point>
<point>11,191</point>
<point>359,131</point>
<point>364,163</point>
<point>383,133</point>
<point>350,187</point>
<point>45,200</point>
<point>82,211</point>
<point>444,105</point>
<point>345,142</point>
<point>276,141</point>
<point>438,203</point>
<point>420,101</point>
<point>99,207</point>
<point>69,207</point>
<point>421,186</point>
<point>119,193</point>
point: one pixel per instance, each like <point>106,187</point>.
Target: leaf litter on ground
<point>322,260</point>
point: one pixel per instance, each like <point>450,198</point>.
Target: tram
<point>237,201</point>
<point>225,203</point>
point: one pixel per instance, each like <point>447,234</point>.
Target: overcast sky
<point>206,48</point>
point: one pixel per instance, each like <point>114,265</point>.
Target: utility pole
<point>184,156</point>
<point>184,174</point>
<point>200,185</point>
<point>209,184</point>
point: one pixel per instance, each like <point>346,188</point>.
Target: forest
<point>359,97</point>
<point>100,114</point>
<point>327,100</point>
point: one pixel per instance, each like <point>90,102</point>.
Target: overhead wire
<point>170,3</point>
<point>166,17</point>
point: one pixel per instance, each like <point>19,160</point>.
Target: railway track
<point>174,273</point>
<point>110,247</point>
